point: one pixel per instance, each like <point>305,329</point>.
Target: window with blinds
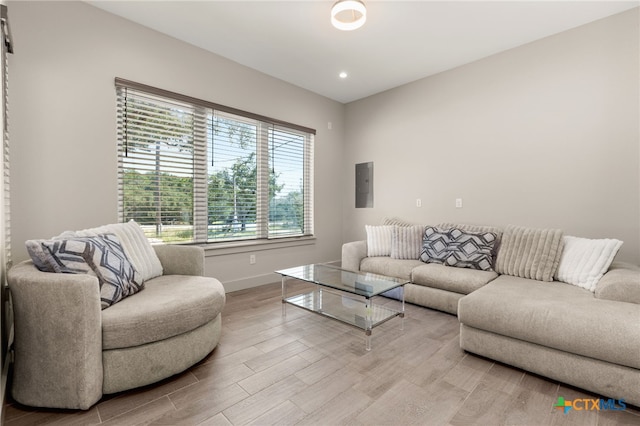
<point>289,211</point>
<point>6,48</point>
<point>6,310</point>
<point>193,171</point>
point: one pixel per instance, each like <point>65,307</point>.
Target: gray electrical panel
<point>364,185</point>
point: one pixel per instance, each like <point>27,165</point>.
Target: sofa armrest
<point>58,338</point>
<point>352,254</point>
<point>180,260</point>
<point>621,283</point>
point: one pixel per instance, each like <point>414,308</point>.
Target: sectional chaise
<point>552,304</point>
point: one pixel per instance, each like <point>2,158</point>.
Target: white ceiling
<point>402,41</point>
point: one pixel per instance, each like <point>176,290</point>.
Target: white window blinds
<point>193,171</point>
<point>289,204</point>
<point>7,47</point>
<point>6,331</point>
<point>233,177</point>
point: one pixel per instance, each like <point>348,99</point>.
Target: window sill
<point>226,248</point>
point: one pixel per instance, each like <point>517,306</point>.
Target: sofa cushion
<point>620,283</point>
<point>584,261</point>
<point>434,298</point>
<point>458,280</point>
<point>383,265</point>
<point>529,253</point>
<point>170,305</point>
<point>556,315</point>
<point>406,242</point>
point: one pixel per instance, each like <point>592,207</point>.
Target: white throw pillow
<point>135,244</point>
<point>584,261</point>
<point>379,239</point>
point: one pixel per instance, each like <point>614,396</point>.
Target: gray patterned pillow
<point>99,255</point>
<point>455,247</point>
<point>470,249</point>
<point>435,245</point>
<point>134,242</point>
<point>477,229</point>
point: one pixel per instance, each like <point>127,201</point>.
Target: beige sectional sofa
<point>589,339</point>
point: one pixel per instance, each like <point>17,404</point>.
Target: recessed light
<point>342,75</point>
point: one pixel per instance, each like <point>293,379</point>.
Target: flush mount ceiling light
<point>348,15</point>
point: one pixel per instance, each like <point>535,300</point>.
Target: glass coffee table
<point>344,296</point>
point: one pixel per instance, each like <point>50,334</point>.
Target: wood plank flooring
<point>304,369</point>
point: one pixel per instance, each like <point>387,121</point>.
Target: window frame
<point>204,111</point>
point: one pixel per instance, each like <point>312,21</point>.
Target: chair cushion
<point>168,306</point>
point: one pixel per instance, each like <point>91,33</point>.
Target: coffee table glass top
<point>361,283</point>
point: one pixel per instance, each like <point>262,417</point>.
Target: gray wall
<point>544,135</point>
<point>63,126</point>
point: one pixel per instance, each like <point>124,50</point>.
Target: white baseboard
<point>258,280</point>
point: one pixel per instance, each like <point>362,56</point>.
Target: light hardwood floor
<point>309,370</point>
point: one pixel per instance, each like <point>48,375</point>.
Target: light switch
<point>418,202</point>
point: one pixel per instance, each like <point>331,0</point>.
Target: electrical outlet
<point>458,203</point>
<point>252,259</point>
<point>418,202</point>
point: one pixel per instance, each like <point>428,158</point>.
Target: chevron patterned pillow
<point>435,245</point>
<point>470,249</point>
<point>99,255</point>
<point>455,247</point>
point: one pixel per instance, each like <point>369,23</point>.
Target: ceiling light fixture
<point>343,74</point>
<point>347,15</point>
